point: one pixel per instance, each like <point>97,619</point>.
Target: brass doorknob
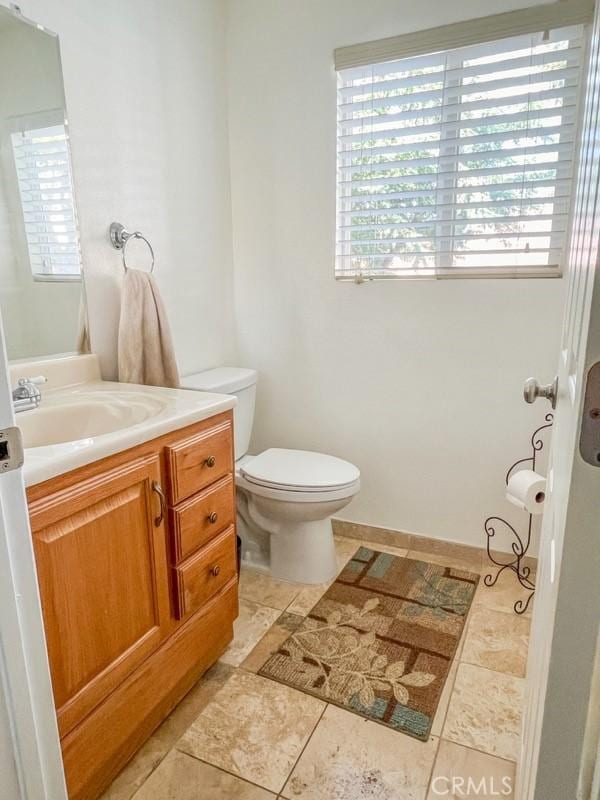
<point>215,570</point>
<point>210,461</point>
<point>213,517</point>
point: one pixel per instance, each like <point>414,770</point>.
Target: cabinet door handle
<point>213,517</point>
<point>156,487</point>
<point>215,570</point>
<point>210,461</point>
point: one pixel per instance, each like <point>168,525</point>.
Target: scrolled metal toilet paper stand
<point>520,546</point>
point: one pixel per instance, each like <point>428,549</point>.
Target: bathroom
<point>209,127</point>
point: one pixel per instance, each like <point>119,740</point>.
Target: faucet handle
<point>37,380</point>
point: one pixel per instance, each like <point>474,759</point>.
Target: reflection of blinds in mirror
<point>43,166</point>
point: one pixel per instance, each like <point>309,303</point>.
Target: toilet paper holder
<point>520,545</point>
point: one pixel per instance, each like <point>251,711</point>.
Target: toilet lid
<point>299,469</point>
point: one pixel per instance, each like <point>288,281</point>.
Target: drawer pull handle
<point>156,487</point>
<point>215,570</point>
<point>213,517</point>
<point>210,461</point>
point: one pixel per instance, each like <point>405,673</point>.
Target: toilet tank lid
<point>226,380</point>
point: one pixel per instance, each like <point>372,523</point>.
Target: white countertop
<point>180,407</point>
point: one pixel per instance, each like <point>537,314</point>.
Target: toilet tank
<point>238,381</point>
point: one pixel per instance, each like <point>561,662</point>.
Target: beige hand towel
<point>83,329</point>
<point>146,352</point>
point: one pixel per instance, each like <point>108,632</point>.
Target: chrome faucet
<point>27,395</point>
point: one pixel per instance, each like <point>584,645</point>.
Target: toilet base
<point>304,552</point>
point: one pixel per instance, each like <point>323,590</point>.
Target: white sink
<point>82,418</point>
<point>85,415</point>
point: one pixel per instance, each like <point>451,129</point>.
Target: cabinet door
<point>100,550</point>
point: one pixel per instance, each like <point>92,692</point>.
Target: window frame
<point>442,271</point>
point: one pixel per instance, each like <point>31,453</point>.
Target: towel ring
<point>119,237</point>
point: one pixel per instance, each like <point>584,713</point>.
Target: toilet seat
<point>285,499</point>
<point>298,475</point>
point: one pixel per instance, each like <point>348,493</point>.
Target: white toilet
<point>285,498</point>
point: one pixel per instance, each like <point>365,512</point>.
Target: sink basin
<point>84,416</point>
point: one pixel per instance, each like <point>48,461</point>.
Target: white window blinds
<point>459,163</point>
<point>43,169</point>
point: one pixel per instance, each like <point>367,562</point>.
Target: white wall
<point>418,383</point>
<point>145,88</point>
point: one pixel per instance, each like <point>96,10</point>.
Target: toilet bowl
<point>285,498</point>
<point>292,495</point>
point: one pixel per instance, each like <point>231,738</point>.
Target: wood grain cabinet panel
<point>196,462</point>
<point>106,739</point>
<point>129,625</point>
<point>102,571</point>
<point>198,520</point>
<point>205,573</point>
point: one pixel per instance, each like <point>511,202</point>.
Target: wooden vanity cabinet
<point>103,578</point>
<point>138,589</point>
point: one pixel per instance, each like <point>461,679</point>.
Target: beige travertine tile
<point>345,549</point>
<point>497,640</point>
<point>445,560</point>
<point>254,728</point>
<point>165,736</point>
<point>485,711</point>
<point>259,587</point>
<point>371,533</point>
<point>271,641</point>
<point>490,777</point>
<point>505,592</point>
<point>385,548</point>
<point>350,758</point>
<point>251,625</point>
<point>442,709</point>
<point>500,555</point>
<point>451,550</point>
<point>137,771</point>
<point>307,599</point>
<point>193,703</point>
<point>181,777</point>
<point>409,541</point>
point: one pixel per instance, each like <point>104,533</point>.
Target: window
<point>459,163</point>
<point>43,168</point>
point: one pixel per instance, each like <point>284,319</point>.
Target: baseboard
<point>418,542</point>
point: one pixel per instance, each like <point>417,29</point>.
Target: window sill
<point>57,278</point>
<point>457,274</point>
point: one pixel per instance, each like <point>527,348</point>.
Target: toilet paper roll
<point>527,490</point>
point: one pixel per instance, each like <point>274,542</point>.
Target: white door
<point>30,759</point>
<point>567,606</point>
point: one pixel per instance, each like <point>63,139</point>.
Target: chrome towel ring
<point>119,238</point>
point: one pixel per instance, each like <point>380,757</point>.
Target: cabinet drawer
<point>204,574</point>
<point>198,520</point>
<point>201,459</point>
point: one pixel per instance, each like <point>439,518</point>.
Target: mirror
<point>40,256</point>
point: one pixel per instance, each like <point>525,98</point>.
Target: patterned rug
<point>381,640</point>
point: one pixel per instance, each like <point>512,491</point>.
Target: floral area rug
<point>381,640</point>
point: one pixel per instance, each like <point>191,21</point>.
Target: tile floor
<point>239,735</point>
